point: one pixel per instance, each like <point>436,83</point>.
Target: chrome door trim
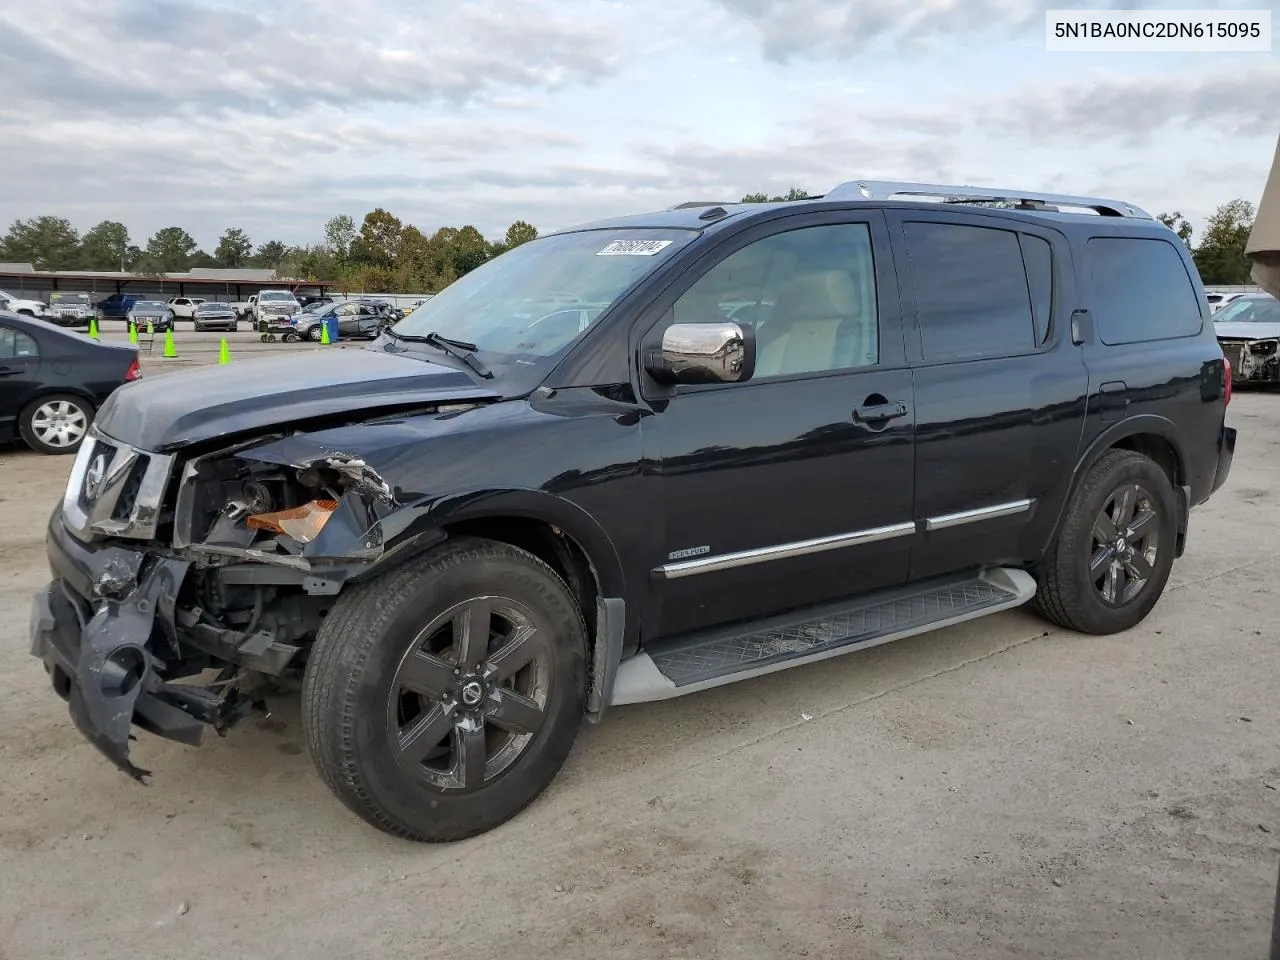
<point>742,558</point>
<point>980,513</point>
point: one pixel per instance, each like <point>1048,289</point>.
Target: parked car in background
<point>52,382</point>
<point>1248,328</point>
<point>215,315</point>
<point>70,309</point>
<point>153,313</point>
<point>25,306</point>
<point>273,304</point>
<point>357,320</point>
<point>184,307</point>
<point>314,302</point>
<point>116,306</point>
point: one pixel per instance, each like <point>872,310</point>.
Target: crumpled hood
<point>162,413</point>
<point>1247,331</point>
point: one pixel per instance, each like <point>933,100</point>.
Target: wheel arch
<point>1152,436</point>
<point>561,534</point>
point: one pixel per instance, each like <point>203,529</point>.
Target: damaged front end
<point>1252,361</point>
<point>184,588</point>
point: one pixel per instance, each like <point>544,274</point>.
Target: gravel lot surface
<point>996,790</point>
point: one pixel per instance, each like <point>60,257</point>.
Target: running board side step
<point>711,659</point>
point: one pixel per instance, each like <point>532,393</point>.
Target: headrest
<point>819,295</point>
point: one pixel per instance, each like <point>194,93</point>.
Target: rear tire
<point>1115,549</point>
<point>426,733</point>
<point>56,423</point>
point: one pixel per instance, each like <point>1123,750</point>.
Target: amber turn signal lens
<point>303,523</point>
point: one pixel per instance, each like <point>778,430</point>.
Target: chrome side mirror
<point>722,352</point>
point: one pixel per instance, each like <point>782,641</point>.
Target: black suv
<point>634,460</point>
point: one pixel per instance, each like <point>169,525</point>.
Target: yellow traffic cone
<point>224,354</point>
<point>133,333</point>
<point>324,332</point>
<point>151,327</point>
<point>93,328</point>
<point>169,349</point>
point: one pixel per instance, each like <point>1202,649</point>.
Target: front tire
<point>1114,553</point>
<point>442,698</point>
<point>55,424</point>
<point>314,334</point>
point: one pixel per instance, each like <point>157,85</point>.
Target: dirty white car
<point>1248,328</point>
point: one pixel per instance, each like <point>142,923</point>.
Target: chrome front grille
<point>115,490</point>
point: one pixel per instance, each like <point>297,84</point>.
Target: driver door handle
<point>878,410</point>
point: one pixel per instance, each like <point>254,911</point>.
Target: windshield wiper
<point>455,348</point>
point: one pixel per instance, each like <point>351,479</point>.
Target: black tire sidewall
<point>419,808</point>
<point>1098,616</point>
<point>28,434</point>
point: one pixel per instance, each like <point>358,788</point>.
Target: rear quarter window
<point>1142,291</point>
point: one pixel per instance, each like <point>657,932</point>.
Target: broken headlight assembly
<point>255,504</point>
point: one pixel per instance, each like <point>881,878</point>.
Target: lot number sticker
<point>634,248</point>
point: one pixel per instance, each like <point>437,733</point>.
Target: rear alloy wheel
<point>56,424</point>
<point>1115,550</point>
<point>442,698</point>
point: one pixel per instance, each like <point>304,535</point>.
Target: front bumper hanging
<point>104,628</point>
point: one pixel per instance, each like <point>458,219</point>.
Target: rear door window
<point>16,345</point>
<point>1141,291</point>
<point>972,295</point>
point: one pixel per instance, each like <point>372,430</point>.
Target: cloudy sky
<point>273,115</point>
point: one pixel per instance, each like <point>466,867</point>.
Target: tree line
<point>384,254</point>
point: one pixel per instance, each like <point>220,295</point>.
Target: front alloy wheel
<point>441,698</point>
<point>469,694</point>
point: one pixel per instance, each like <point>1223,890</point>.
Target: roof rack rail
<point>699,203</point>
<point>889,189</point>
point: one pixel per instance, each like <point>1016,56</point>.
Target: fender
<point>573,520</point>
<point>1132,426</point>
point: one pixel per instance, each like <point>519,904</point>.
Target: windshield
<point>69,297</point>
<point>276,295</point>
<point>211,305</point>
<point>1250,310</point>
<point>150,305</point>
<point>533,301</point>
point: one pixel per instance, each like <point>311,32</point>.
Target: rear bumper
<point>1226,453</point>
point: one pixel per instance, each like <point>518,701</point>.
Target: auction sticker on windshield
<point>634,248</point>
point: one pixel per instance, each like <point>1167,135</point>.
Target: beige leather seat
<point>815,326</point>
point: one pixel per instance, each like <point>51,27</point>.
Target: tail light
<point>134,372</point>
<point>1226,385</point>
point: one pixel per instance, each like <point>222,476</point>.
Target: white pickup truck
<point>273,304</point>
<point>30,308</point>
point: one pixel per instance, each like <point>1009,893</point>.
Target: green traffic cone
<point>133,333</point>
<point>224,354</point>
<point>324,332</point>
<point>93,328</point>
<point>151,327</point>
<point>169,349</point>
